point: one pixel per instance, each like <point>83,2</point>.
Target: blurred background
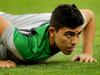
<point>30,6</point>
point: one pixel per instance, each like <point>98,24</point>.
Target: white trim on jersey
<point>8,42</point>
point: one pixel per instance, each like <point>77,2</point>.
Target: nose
<point>74,40</point>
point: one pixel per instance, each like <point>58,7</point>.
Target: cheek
<point>65,41</point>
<point>62,41</point>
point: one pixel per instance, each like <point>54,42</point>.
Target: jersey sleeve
<point>17,42</point>
<point>23,44</point>
<point>7,40</point>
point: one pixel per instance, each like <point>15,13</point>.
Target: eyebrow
<point>70,33</point>
<point>73,33</point>
<point>80,32</point>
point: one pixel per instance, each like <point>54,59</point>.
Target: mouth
<point>70,49</point>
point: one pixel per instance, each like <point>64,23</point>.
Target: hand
<point>84,58</point>
<point>7,64</point>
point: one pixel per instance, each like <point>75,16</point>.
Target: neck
<point>53,46</point>
<point>54,49</point>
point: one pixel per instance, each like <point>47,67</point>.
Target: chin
<point>67,53</point>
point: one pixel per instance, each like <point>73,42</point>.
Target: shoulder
<point>87,11</point>
<point>87,15</point>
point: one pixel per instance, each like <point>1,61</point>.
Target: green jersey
<point>24,46</point>
<point>35,47</point>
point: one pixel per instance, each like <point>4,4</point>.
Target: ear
<point>51,31</point>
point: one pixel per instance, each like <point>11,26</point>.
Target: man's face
<point>66,39</point>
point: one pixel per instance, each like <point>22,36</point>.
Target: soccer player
<point>35,37</point>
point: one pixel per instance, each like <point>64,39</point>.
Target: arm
<point>88,38</point>
<point>7,64</point>
<point>3,25</point>
<point>88,32</point>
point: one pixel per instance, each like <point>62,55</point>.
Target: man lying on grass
<point>36,37</point>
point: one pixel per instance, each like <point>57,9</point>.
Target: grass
<point>58,64</point>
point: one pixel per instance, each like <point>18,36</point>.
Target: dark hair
<point>66,16</point>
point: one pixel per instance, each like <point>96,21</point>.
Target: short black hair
<point>66,15</point>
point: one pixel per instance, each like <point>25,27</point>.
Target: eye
<point>69,35</point>
<point>78,35</point>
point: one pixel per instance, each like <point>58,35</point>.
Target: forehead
<point>77,29</point>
